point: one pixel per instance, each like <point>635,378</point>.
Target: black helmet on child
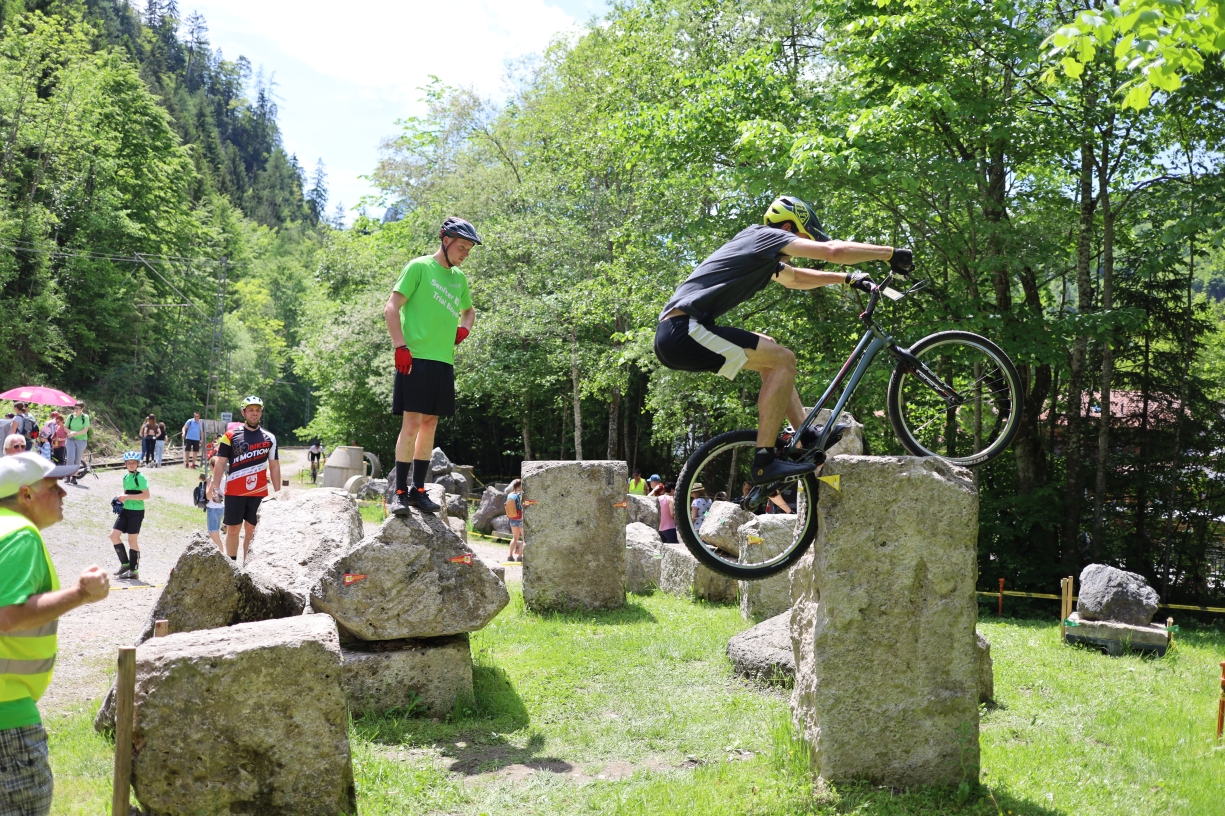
<point>459,228</point>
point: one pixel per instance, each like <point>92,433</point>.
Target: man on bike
<point>254,464</point>
<point>687,339</point>
<point>428,314</point>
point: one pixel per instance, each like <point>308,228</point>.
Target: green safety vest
<point>26,656</point>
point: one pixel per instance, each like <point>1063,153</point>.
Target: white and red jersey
<point>248,453</point>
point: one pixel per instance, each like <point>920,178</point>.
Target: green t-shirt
<point>23,572</point>
<point>77,424</point>
<point>436,296</point>
<point>138,483</point>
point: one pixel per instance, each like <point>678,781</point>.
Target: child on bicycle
<point>687,338</point>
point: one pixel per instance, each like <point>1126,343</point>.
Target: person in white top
<point>215,509</point>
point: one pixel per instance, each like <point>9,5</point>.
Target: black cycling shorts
<point>129,521</point>
<point>685,344</point>
<point>242,508</point>
<point>191,445</point>
<point>428,389</point>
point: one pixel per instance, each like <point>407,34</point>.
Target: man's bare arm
<point>391,314</point>
<point>274,472</point>
<point>793,278</point>
<point>467,318</point>
<point>93,585</point>
<point>839,252</point>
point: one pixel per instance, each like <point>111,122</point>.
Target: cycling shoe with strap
<point>811,435</point>
<point>779,469</point>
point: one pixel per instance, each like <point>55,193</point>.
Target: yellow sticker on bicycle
<point>834,481</point>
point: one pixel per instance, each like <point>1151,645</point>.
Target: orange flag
<point>352,578</point>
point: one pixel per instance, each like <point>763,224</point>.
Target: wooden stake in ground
<point>161,628</point>
<point>1220,708</point>
<point>1063,607</point>
<point>125,694</point>
<point>1001,609</point>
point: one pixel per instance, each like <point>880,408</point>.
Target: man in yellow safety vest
<point>31,603</point>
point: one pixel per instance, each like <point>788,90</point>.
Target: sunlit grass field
<point>637,712</point>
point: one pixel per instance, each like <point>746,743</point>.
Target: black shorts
<point>242,508</point>
<point>685,344</point>
<point>668,536</point>
<point>129,521</point>
<point>428,389</point>
<point>191,445</point>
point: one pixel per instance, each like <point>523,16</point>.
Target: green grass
<point>646,691</point>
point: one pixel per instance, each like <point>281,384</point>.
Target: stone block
<point>457,507</point>
<point>458,527</point>
<point>439,463</point>
<point>643,509</point>
<point>986,669</point>
<point>575,529</point>
<point>852,441</point>
<point>721,525</point>
<point>1117,637</point>
<point>883,623</point>
<point>643,556</point>
<point>764,652</point>
<point>493,504</point>
<point>246,719</point>
<point>426,676</point>
<point>1110,594</point>
<point>501,526</point>
<point>495,567</point>
<point>414,586</point>
<point>681,574</point>
<point>762,537</point>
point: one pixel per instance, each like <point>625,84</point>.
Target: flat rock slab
<point>764,652</point>
<point>574,519</point>
<point>246,719</point>
<point>425,677</point>
<point>420,581</point>
<point>1116,637</point>
<point>297,537</point>
<point>1110,594</point>
<point>883,620</point>
<point>681,574</point>
<point>762,537</point>
<point>643,558</point>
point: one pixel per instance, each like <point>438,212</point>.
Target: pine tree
<point>317,197</point>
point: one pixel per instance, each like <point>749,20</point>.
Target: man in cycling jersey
<point>254,464</point>
<point>428,314</point>
<point>687,339</point>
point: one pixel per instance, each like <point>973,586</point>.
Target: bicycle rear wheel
<point>963,403</point>
<point>722,464</point>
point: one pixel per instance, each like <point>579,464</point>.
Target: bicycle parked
<point>953,394</point>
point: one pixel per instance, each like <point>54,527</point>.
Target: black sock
<point>402,475</point>
<point>420,466</point>
<point>763,457</point>
<point>234,557</point>
<point>122,552</point>
<point>134,559</point>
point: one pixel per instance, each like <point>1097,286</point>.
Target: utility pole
<point>213,393</point>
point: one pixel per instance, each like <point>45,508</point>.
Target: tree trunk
<point>527,434</point>
<point>614,417</point>
<point>1103,423</point>
<point>1028,450</point>
<point>578,408</point>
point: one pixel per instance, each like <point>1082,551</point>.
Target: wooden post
<point>161,628</point>
<point>1169,633</point>
<point>1220,708</point>
<point>125,694</point>
<point>1001,609</point>
<point>1063,607</point>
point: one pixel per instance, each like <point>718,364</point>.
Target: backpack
<point>199,496</point>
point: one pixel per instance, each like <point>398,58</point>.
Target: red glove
<point>404,359</point>
<point>461,334</point>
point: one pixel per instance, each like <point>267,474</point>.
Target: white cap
<point>23,469</point>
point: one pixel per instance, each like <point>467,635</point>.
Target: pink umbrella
<point>39,395</point>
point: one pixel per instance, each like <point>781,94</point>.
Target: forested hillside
<point>135,159</point>
<point>1083,236</point>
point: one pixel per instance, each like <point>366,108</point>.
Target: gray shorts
<point>25,773</point>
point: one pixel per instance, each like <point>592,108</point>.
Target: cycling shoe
<point>779,469</point>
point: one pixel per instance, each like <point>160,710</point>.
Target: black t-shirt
<point>732,274</point>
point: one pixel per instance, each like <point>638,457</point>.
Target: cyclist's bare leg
<point>778,396</point>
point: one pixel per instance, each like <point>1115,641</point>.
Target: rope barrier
<point>1075,597</point>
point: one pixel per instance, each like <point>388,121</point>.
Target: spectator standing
<point>31,602</point>
<point>25,424</point>
<point>78,437</point>
<point>667,513</point>
<point>131,517</point>
<point>59,440</point>
<point>655,485</point>
<point>159,444</point>
<point>215,510</point>
<point>14,444</point>
<point>148,438</point>
<point>638,485</point>
<point>250,453</point>
<point>6,425</point>
<point>193,435</point>
<point>514,514</point>
<point>700,506</point>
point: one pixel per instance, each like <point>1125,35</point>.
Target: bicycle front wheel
<point>722,465</point>
<point>962,402</point>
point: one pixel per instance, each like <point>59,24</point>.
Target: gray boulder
<point>986,669</point>
<point>425,677</point>
<point>413,588</point>
<point>246,719</point>
<point>372,490</point>
<point>493,504</point>
<point>643,509</point>
<point>458,527</point>
<point>643,558</point>
<point>681,574</point>
<point>456,506</point>
<point>851,442</point>
<point>495,567</point>
<point>764,652</point>
<point>761,538</point>
<point>720,528</point>
<point>501,526</point>
<point>452,483</point>
<point>575,532</point>
<point>469,478</point>
<point>439,463</point>
<point>1110,594</point>
<point>298,536</point>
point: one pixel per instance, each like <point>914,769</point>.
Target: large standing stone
<point>761,538</point>
<point>643,557</point>
<point>575,529</point>
<point>298,536</point>
<point>643,509</point>
<point>206,590</point>
<point>493,504</point>
<point>246,719</point>
<point>681,574</point>
<point>721,525</point>
<point>764,652</point>
<point>1110,594</point>
<point>426,676</point>
<point>883,621</point>
<point>412,588</point>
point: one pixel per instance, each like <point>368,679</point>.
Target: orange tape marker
<point>352,578</point>
<point>466,558</point>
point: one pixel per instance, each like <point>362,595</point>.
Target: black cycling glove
<point>859,280</point>
<point>901,262</point>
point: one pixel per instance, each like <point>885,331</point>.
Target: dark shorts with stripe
<point>25,772</point>
<point>428,389</point>
<point>129,521</point>
<point>685,344</point>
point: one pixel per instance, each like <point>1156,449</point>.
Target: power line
<point>103,256</point>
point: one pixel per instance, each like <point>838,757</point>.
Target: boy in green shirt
<point>131,517</point>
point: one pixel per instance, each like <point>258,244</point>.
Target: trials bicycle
<point>953,394</point>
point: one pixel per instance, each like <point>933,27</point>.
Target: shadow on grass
<point>862,797</point>
<point>631,613</point>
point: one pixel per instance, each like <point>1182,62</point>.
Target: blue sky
<point>345,73</point>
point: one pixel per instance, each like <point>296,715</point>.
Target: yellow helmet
<point>790,209</point>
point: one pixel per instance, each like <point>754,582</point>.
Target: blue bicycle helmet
<point>131,456</point>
